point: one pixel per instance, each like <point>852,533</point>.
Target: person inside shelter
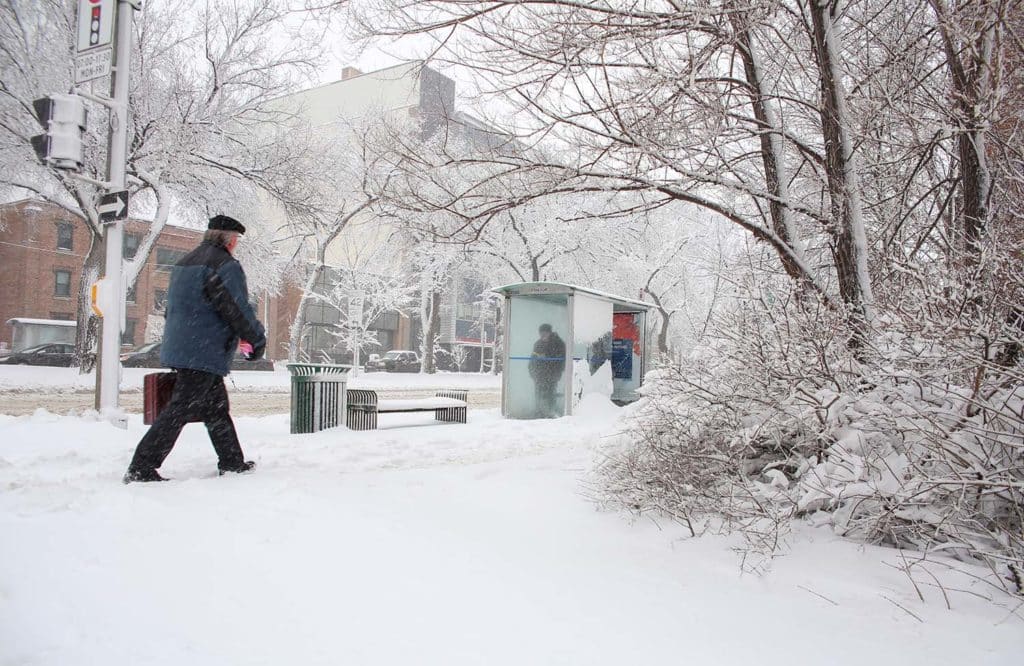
<point>547,363</point>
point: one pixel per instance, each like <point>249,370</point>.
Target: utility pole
<point>108,374</point>
<point>103,46</point>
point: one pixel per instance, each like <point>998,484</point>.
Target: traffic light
<point>64,119</point>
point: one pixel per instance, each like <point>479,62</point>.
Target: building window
<point>159,300</point>
<point>166,258</point>
<point>128,337</point>
<point>65,236</point>
<point>62,283</point>
<point>131,245</point>
<point>129,294</point>
<point>61,316</point>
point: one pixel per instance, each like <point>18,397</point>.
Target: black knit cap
<point>225,223</point>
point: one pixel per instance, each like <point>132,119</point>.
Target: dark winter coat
<point>548,360</point>
<point>207,312</point>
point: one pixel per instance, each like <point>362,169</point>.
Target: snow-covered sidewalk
<point>417,544</point>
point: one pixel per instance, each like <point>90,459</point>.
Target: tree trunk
<point>976,182</point>
<point>772,149</point>
<point>971,63</point>
<point>431,333</point>
<point>87,331</point>
<point>665,316</point>
<point>663,333</point>
<point>483,336</point>
<point>424,322</point>
<point>849,238</point>
<point>299,323</point>
<point>133,266</point>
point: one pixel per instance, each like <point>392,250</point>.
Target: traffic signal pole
<point>108,373</point>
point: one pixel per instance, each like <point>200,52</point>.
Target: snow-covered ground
<point>419,543</point>
<point>38,378</point>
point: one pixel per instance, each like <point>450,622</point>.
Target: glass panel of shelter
<point>591,347</point>
<point>535,381</point>
<point>627,354</point>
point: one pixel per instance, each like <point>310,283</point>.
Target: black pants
<point>197,396</point>
<point>544,392</point>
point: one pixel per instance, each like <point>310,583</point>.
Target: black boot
<point>142,476</point>
<point>239,469</point>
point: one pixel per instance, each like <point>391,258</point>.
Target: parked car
<point>402,361</point>
<point>148,356</point>
<point>374,363</point>
<point>51,353</point>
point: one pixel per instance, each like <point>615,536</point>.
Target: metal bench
<point>363,407</point>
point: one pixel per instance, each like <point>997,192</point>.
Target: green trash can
<point>318,396</point>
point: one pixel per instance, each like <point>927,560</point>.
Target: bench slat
<point>418,404</point>
<point>449,406</point>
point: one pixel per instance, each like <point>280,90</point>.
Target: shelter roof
<point>41,322</point>
<point>620,303</point>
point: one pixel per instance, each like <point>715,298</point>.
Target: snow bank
<point>31,378</point>
<point>417,544</point>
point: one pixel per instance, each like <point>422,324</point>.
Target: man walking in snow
<point>207,314</point>
<point>546,365</point>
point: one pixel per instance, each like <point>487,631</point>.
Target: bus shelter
<point>30,332</point>
<point>563,342</point>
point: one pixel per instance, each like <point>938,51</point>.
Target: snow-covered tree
<point>346,183</point>
<point>862,144</point>
<point>435,263</point>
<point>618,110</point>
<point>367,288</point>
<point>535,241</point>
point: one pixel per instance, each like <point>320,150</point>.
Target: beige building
<point>410,92</point>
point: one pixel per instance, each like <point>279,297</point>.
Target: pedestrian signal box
<point>100,297</point>
<point>64,119</point>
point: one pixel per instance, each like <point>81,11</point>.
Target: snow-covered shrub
<point>915,442</point>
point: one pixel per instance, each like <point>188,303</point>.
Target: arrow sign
<point>113,207</point>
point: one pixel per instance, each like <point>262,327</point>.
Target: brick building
<point>43,247</point>
<point>41,254</point>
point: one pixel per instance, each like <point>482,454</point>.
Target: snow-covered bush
<point>915,442</point>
